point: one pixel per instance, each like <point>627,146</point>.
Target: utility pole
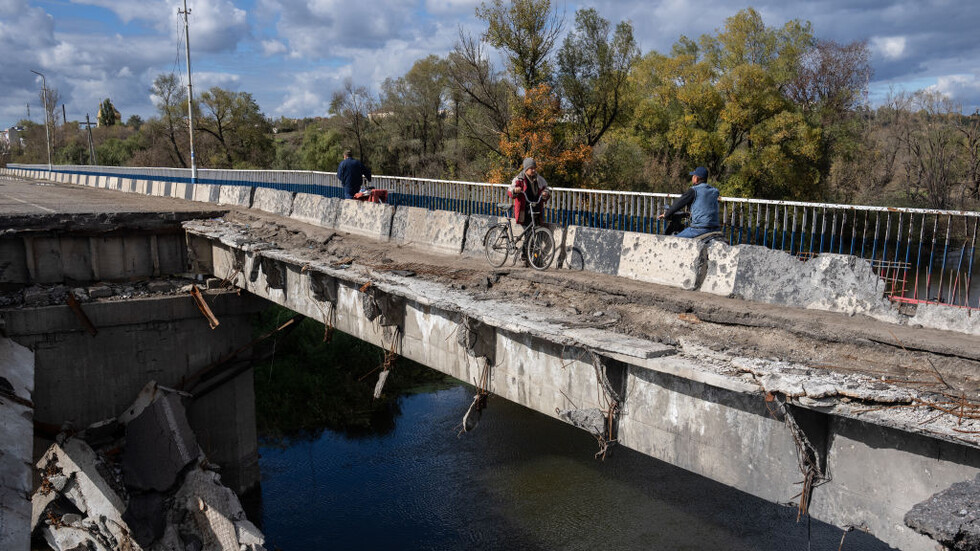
<point>44,98</point>
<point>190,93</point>
<point>91,145</point>
<point>28,111</point>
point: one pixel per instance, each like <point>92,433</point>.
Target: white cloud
<point>963,89</point>
<point>309,92</point>
<point>317,29</point>
<point>448,7</point>
<point>205,80</point>
<point>273,47</point>
<point>217,26</point>
<point>890,47</point>
<point>146,10</point>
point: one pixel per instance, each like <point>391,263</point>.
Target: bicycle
<point>536,242</point>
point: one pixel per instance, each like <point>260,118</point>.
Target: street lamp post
<point>190,93</point>
<point>44,98</point>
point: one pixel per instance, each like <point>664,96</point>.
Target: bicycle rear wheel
<point>540,248</point>
<point>496,244</point>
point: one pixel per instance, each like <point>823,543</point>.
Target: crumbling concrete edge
<point>519,318</point>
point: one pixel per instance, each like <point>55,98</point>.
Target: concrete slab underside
<point>715,426</point>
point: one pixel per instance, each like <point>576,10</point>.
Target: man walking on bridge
<point>351,174</point>
<point>703,199</point>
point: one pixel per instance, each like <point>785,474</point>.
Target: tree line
<point>773,112</point>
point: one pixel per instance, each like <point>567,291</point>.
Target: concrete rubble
<point>951,517</point>
<point>137,482</point>
<point>56,294</point>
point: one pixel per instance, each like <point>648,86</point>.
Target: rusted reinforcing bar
<point>80,314</point>
<point>203,306</point>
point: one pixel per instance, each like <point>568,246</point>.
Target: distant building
<point>12,135</point>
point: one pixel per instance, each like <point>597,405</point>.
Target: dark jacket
<point>351,174</point>
<point>703,199</point>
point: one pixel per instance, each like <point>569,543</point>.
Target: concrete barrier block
<point>368,219</point>
<point>476,229</point>
<point>316,209</point>
<point>276,201</point>
<point>592,250</point>
<point>181,190</point>
<point>159,188</point>
<point>438,230</point>
<point>662,259</point>
<point>235,195</point>
<point>721,266</point>
<point>101,181</point>
<point>950,318</point>
<point>832,282</point>
<point>142,187</point>
<point>206,193</point>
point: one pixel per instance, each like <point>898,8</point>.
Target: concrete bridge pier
<point>82,378</point>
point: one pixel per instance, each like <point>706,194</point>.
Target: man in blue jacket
<point>703,199</point>
<point>351,174</point>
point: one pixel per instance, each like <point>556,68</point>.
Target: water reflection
<point>520,481</point>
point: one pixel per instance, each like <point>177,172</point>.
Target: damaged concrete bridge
<point>792,381</point>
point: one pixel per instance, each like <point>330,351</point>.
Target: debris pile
<point>56,294</point>
<point>139,481</point>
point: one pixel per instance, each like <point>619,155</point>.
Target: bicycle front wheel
<point>540,248</point>
<point>496,244</point>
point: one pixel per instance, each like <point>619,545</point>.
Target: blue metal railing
<point>924,255</point>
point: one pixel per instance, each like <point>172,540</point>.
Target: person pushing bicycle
<point>528,187</point>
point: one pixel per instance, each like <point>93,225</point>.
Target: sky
<point>291,55</point>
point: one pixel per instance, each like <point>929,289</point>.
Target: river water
<point>520,481</point>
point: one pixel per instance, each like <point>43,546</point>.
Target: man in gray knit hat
<point>534,186</point>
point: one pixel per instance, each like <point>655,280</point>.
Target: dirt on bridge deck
<point>941,367</point>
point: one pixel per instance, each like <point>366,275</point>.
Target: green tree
<point>321,150</point>
<point>351,106</point>
<point>234,120</point>
<point>526,31</point>
<point>75,152</point>
<point>933,162</point>
<point>481,96</point>
<point>720,102</point>
<point>107,113</point>
<point>171,100</point>
<point>134,122</point>
<point>115,152</point>
<point>593,73</point>
<point>415,105</point>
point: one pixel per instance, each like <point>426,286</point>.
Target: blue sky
<point>292,54</point>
